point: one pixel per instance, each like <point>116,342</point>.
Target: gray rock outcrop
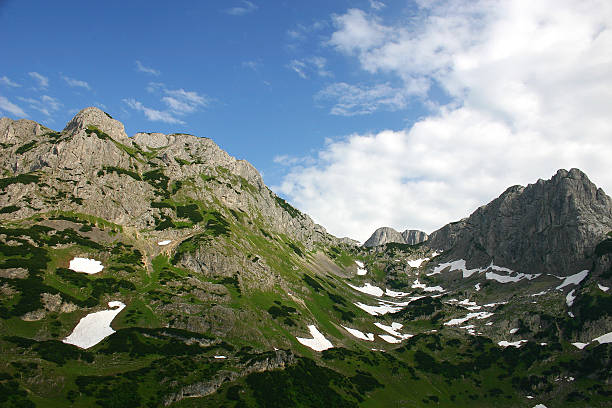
<point>386,235</point>
<point>551,226</point>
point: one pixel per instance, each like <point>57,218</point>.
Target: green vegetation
<point>9,209</point>
<point>26,147</point>
<point>119,170</point>
<point>25,178</point>
<point>293,212</point>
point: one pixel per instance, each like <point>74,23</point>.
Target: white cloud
<point>305,67</point>
<point>153,114</point>
<point>377,5</point>
<point>350,100</point>
<point>254,65</point>
<point>530,84</point>
<point>146,70</point>
<point>11,108</point>
<point>246,8</point>
<point>182,102</point>
<point>4,80</point>
<point>43,81</point>
<point>76,83</point>
<point>46,104</point>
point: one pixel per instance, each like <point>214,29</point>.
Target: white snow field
<point>606,338</point>
<point>393,330</point>
<point>368,289</point>
<point>392,293</point>
<point>516,344</point>
<point>220,357</point>
<point>94,327</point>
<point>477,315</point>
<point>389,339</point>
<point>361,268</point>
<point>569,299</point>
<point>512,331</point>
<point>459,265</point>
<point>318,342</point>
<point>360,335</point>
<point>416,263</point>
<point>381,309</point>
<point>572,279</point>
<point>163,243</point>
<point>603,288</point>
<point>540,406</point>
<point>580,345</point>
<point>418,285</point>
<point>86,265</point>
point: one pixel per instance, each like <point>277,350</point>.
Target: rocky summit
<point>158,271</point>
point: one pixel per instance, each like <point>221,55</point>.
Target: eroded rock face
<point>93,167</point>
<point>386,235</point>
<point>551,226</point>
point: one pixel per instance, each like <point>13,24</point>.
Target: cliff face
<point>385,235</point>
<point>551,226</point>
<point>93,167</point>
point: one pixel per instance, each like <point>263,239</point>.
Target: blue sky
<point>409,114</point>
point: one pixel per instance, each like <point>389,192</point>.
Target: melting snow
<point>416,263</point>
<point>359,334</point>
<point>361,268</point>
<point>389,339</point>
<point>516,344</point>
<point>573,279</point>
<point>580,345</point>
<point>606,338</point>
<point>477,287</point>
<point>381,309</point>
<point>163,243</point>
<point>392,293</point>
<point>478,315</point>
<point>220,357</point>
<point>512,331</point>
<point>318,342</point>
<point>458,265</point>
<point>419,285</point>
<point>569,299</point>
<point>94,327</point>
<point>604,288</point>
<point>85,265</point>
<point>540,406</point>
<point>393,330</point>
<point>469,305</point>
<point>506,278</point>
<point>369,289</point>
<point>540,293</point>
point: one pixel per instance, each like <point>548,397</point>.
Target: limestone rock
<point>386,235</point>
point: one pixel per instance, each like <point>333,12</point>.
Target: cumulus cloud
<point>530,85</point>
<point>308,66</point>
<point>43,81</point>
<point>75,83</point>
<point>45,104</point>
<point>350,100</point>
<point>4,80</point>
<point>146,70</point>
<point>246,8</point>
<point>179,102</point>
<point>152,114</point>
<point>8,106</point>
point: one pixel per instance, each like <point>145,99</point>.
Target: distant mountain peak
<point>384,235</point>
<point>93,116</point>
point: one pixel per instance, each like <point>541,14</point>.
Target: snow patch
<point>477,287</point>
<point>469,305</point>
<point>540,406</point>
<point>416,263</point>
<point>220,357</point>
<point>164,243</point>
<point>318,342</point>
<point>573,279</point>
<point>477,315</point>
<point>569,299</point>
<point>369,289</point>
<point>419,285</point>
<point>580,345</point>
<point>540,293</point>
<point>393,330</point>
<point>359,334</point>
<point>392,293</point>
<point>516,344</point>
<point>512,331</point>
<point>603,288</point>
<point>381,309</point>
<point>606,338</point>
<point>458,265</point>
<point>389,339</point>
<point>94,327</point>
<point>507,278</point>
<point>86,265</point>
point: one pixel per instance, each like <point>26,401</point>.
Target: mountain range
<point>157,270</point>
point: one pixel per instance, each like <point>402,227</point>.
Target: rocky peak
<point>386,235</point>
<point>518,229</point>
<point>15,131</point>
<point>93,116</point>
